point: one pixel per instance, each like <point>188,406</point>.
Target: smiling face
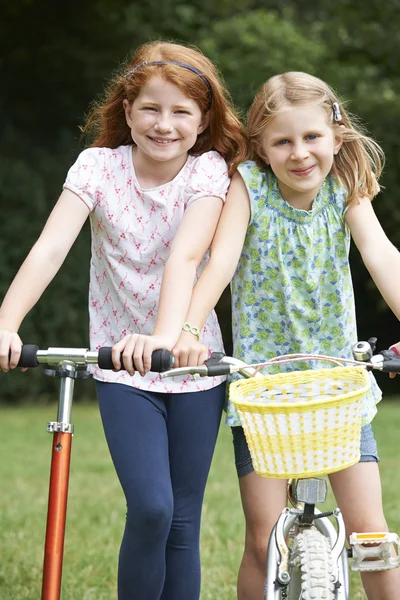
<point>164,124</point>
<point>299,145</point>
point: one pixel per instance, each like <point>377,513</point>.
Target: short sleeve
<point>257,184</point>
<point>338,195</point>
<point>208,177</point>
<point>86,178</point>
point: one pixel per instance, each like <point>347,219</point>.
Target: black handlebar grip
<point>391,362</point>
<point>215,366</point>
<point>161,360</point>
<point>218,369</point>
<point>28,356</point>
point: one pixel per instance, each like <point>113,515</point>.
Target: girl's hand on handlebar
<point>188,351</point>
<point>10,350</point>
<point>396,349</point>
<point>136,352</point>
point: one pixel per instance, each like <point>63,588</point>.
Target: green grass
<point>96,507</point>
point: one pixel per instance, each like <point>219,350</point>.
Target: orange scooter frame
<point>62,430</point>
<point>67,364</point>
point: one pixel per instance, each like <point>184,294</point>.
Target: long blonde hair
<point>106,125</point>
<point>360,160</point>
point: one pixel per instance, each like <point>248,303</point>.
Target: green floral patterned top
<point>292,290</point>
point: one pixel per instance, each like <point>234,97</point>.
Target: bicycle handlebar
<point>31,356</point>
<point>219,364</point>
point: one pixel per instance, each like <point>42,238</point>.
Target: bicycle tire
<point>311,572</point>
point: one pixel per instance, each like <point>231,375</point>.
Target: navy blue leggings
<point>161,446</point>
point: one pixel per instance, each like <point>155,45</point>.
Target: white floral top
<point>292,290</point>
<point>132,230</point>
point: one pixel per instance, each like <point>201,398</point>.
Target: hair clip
<point>337,115</point>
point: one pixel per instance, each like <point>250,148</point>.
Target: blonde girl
<point>288,218</point>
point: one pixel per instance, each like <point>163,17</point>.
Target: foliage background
<point>55,59</point>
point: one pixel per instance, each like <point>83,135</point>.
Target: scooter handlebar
<point>31,356</point>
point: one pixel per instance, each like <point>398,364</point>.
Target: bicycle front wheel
<point>311,573</point>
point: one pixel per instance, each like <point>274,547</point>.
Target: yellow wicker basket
<point>302,423</point>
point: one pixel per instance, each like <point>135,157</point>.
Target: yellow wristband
<point>193,330</point>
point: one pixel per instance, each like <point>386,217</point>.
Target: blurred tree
<point>252,47</point>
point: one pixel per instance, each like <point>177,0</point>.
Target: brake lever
<point>212,367</point>
<point>387,361</point>
<point>214,358</point>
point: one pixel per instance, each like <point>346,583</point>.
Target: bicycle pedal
<point>376,551</point>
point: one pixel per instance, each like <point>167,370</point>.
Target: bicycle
<point>67,364</point>
<point>307,555</point>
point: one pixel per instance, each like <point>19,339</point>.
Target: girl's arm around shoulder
<point>37,271</point>
<point>229,237</point>
<point>224,255</point>
<point>379,255</point>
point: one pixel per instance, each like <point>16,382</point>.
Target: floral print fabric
<point>132,231</point>
<point>292,290</point>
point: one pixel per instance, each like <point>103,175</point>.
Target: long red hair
<point>106,125</point>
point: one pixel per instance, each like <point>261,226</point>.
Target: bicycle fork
<point>278,555</point>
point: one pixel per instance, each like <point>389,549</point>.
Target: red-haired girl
<point>154,181</point>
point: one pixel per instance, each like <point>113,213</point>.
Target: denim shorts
<point>244,466</point>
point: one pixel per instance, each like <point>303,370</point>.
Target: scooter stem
<point>62,431</point>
